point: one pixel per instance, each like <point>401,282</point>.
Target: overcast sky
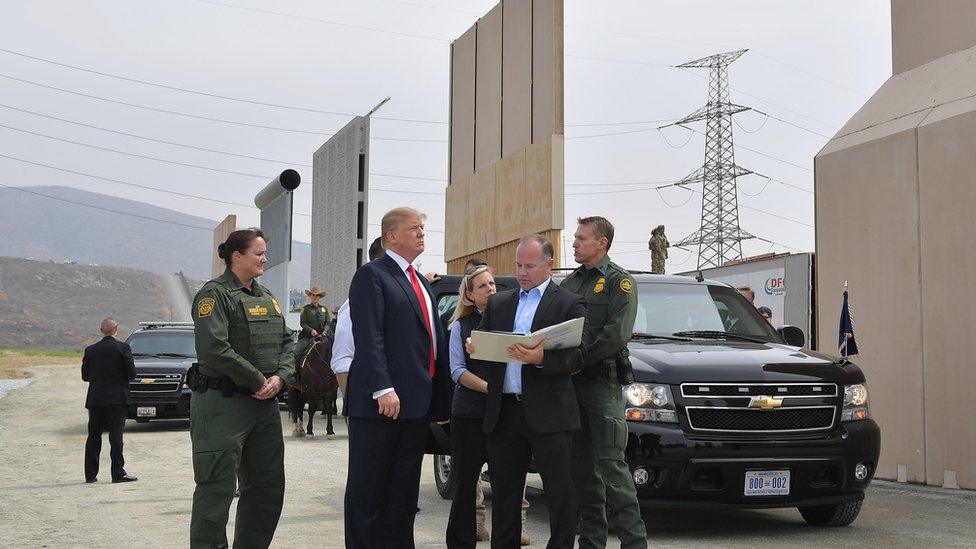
<point>811,65</point>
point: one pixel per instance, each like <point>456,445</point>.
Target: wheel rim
<point>443,469</point>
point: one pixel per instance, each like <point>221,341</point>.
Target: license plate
<point>146,411</point>
<point>767,483</point>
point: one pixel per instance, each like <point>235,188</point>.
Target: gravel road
<point>44,501</point>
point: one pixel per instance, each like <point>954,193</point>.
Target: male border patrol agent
<point>314,322</point>
<point>599,470</point>
<point>245,353</point>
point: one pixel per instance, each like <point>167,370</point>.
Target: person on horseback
<point>314,320</point>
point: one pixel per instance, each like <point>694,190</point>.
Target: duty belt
<point>226,387</point>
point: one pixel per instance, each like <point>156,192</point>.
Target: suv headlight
<point>856,405</point>
<point>649,402</point>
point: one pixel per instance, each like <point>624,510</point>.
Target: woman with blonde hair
<point>464,528</point>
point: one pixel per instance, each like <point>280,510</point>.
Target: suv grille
<point>747,420</point>
<point>778,390</point>
<point>156,383</point>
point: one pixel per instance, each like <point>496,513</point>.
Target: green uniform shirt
<point>314,318</point>
<point>611,307</point>
<point>241,333</point>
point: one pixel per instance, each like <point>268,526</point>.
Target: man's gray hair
<point>109,326</point>
<point>547,250</point>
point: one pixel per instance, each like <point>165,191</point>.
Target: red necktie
<point>415,282</point>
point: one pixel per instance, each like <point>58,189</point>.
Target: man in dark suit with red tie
<point>107,366</point>
<point>399,381</point>
<point>531,409</point>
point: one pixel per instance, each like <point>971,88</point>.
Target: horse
<point>314,381</point>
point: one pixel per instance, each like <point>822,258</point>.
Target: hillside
<point>56,306</point>
<point>44,229</point>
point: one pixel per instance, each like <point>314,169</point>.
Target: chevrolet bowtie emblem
<point>765,403</point>
<point>148,380</point>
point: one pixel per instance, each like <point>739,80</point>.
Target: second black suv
<point>163,352</point>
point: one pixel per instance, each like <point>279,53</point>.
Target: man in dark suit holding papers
<point>531,408</point>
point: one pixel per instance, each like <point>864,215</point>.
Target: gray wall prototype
<point>340,185</point>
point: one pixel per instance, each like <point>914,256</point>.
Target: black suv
<point>727,411</point>
<point>162,351</point>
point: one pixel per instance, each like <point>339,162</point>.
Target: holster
<point>625,370</point>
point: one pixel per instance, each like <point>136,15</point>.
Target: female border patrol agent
<point>244,354</point>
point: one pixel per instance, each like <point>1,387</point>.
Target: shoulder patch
<point>627,286</point>
<point>205,307</point>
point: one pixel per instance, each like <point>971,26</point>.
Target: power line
<point>326,21</point>
<point>208,94</point>
<point>208,229</point>
<point>153,139</point>
<point>142,156</point>
<point>198,148</point>
<point>201,117</point>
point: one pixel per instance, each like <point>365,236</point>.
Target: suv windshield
<point>667,309</point>
<point>176,344</point>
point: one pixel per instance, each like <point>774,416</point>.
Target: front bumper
<point>167,407</point>
<point>693,471</point>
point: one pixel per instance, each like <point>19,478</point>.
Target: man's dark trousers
<point>101,418</point>
<point>510,448</point>
<point>381,505</point>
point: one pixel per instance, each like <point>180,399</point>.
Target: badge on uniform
<point>322,309</point>
<point>276,306</point>
<point>205,307</point>
<point>599,285</point>
<point>627,286</point>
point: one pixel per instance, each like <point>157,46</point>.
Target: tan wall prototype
<point>505,201</point>
<point>506,145</point>
<point>866,218</point>
<point>221,232</point>
<point>500,257</point>
<point>894,209</point>
<point>923,30</point>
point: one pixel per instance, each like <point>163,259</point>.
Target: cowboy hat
<point>315,290</point>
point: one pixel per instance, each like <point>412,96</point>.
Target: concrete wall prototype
<point>924,30</point>
<point>221,232</point>
<point>506,144</point>
<point>894,208</point>
<point>340,188</point>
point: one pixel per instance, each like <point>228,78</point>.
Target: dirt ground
<point>14,362</point>
<point>44,501</point>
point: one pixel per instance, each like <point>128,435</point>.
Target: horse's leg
<point>312,408</point>
<point>297,404</point>
<point>332,410</point>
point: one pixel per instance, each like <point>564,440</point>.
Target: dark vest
<point>468,403</point>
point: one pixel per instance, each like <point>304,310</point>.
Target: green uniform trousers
<point>236,437</point>
<point>599,470</point>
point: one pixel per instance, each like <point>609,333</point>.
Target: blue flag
<point>846,344</point>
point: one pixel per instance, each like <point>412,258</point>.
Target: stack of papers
<point>493,346</point>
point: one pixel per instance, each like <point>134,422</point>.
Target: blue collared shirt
<point>524,314</point>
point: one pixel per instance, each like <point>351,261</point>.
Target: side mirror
<point>792,335</point>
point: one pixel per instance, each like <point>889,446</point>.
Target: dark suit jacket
<point>548,397</point>
<point>393,347</point>
<point>107,367</point>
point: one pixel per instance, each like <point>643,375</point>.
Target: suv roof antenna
<point>699,277</point>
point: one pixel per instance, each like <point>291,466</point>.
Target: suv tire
<point>838,514</point>
<point>445,476</point>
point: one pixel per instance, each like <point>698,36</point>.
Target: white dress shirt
<point>432,318</point>
<point>343,347</point>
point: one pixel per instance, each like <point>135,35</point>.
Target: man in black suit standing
<point>531,408</point>
<point>398,382</point>
<point>107,367</point>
